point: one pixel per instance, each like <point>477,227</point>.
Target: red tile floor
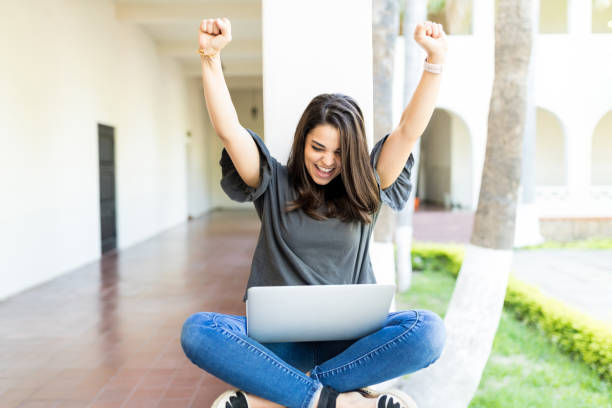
<point>107,334</point>
<point>435,224</point>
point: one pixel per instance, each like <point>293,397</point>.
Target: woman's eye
<point>317,149</point>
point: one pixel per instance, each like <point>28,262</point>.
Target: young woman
<point>317,215</point>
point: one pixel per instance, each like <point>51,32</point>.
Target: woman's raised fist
<point>215,33</point>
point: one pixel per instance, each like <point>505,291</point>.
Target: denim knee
<point>430,328</point>
<point>435,334</point>
<point>192,335</point>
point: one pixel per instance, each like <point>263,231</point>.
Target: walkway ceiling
<point>173,25</point>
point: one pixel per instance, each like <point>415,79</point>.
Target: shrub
<point>447,257</point>
<point>574,332</point>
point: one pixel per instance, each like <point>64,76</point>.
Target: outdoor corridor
<point>107,334</point>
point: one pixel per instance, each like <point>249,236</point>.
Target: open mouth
<point>324,172</point>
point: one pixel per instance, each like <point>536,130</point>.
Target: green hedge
<point>571,330</point>
<point>574,332</point>
<point>446,257</point>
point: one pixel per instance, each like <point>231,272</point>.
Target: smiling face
<point>322,154</point>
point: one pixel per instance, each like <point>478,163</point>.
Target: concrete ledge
<point>574,228</point>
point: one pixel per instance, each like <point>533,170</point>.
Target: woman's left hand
<point>432,38</point>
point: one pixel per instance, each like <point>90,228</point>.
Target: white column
<point>578,169</point>
<point>579,16</point>
<point>321,51</point>
<point>483,19</point>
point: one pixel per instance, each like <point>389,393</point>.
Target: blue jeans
<point>409,340</point>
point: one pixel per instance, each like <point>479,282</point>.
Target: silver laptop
<point>277,314</point>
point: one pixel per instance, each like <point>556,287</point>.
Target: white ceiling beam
<point>155,13</point>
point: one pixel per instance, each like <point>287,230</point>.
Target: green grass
<point>592,243</point>
<point>525,369</point>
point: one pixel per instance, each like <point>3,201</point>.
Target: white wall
<point>66,66</point>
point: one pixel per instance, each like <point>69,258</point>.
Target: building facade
<point>105,136</point>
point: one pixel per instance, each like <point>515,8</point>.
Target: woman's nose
<point>328,160</point>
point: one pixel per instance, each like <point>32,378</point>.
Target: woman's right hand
<point>215,34</point>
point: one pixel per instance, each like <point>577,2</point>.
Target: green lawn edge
<point>574,332</point>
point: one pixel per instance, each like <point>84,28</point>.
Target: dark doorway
<point>106,153</point>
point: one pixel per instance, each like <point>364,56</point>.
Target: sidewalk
<point>580,278</point>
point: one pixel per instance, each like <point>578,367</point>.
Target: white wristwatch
<point>433,68</point>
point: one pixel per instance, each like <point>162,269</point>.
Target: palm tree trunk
<point>415,12</point>
<point>385,27</point>
<point>475,307</point>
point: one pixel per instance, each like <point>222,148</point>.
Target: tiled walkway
<point>107,335</point>
<point>434,224</point>
<point>580,278</point>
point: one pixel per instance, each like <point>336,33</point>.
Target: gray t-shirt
<point>295,249</point>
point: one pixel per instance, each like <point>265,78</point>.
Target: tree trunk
<point>475,307</point>
<point>385,25</point>
<point>415,12</point>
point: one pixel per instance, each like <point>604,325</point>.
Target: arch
<point>553,17</point>
<point>446,164</point>
<point>551,152</point>
<point>601,151</point>
<point>601,17</point>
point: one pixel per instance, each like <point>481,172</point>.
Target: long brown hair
<point>354,195</point>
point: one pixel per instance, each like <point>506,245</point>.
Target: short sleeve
<point>231,182</point>
<point>397,194</point>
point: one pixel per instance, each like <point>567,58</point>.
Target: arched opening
<point>445,165</point>
<point>550,163</point>
<point>601,16</point>
<point>553,16</point>
<point>601,152</point>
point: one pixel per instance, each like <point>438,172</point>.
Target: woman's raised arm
<point>396,149</point>
<point>214,35</point>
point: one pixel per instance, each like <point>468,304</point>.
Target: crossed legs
<point>408,341</point>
